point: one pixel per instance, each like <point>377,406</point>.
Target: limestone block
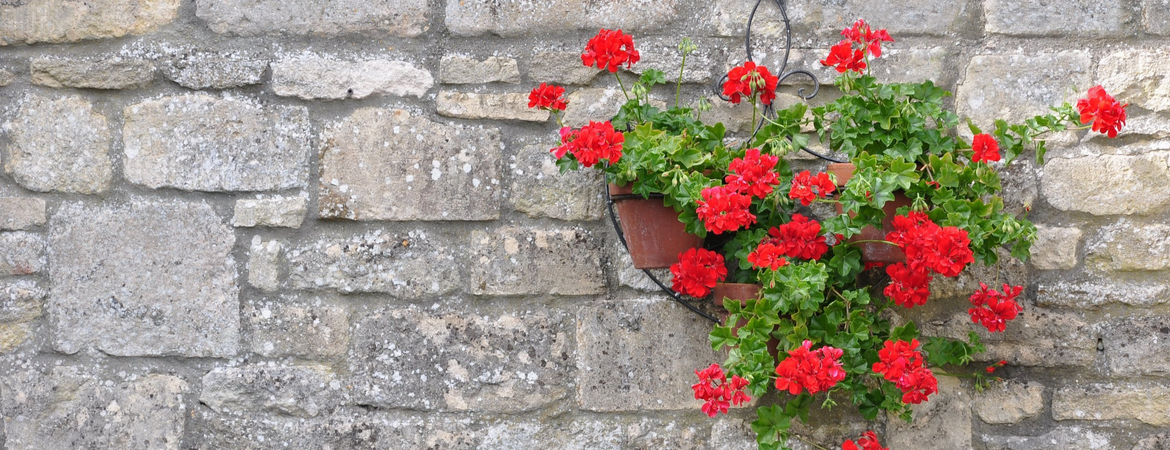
<point>59,145</point>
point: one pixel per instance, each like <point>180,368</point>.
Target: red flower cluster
<point>805,369</point>
<point>752,175</point>
<point>985,147</point>
<point>929,248</point>
<point>908,288</point>
<point>993,309</point>
<point>992,368</point>
<point>609,50</point>
<point>867,37</point>
<point>591,144</point>
<point>807,188</point>
<point>547,97</point>
<point>748,80</point>
<point>845,57</point>
<point>1107,114</point>
<point>723,208</point>
<point>719,397</point>
<point>901,364</point>
<point>767,254</point>
<point>697,271</point>
<point>799,238</point>
<point>867,441</point>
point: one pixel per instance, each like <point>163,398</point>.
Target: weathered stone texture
<point>433,360</point>
<point>1055,248</point>
<point>21,303</point>
<point>410,265</point>
<point>302,391</point>
<point>662,54</point>
<point>1138,77</point>
<point>1108,184</point>
<point>67,408</point>
<point>593,104</point>
<point>1060,438</point>
<point>1147,403</point>
<point>21,213</point>
<point>1155,442</point>
<point>1008,270</point>
<point>942,423</point>
<point>1037,337</point>
<point>1009,402</point>
<point>312,77</point>
<point>1156,16</point>
<point>6,77</point>
<point>623,364</point>
<point>1137,346</point>
<point>402,18</point>
<point>516,261</point>
<point>826,18</point>
<point>203,143</point>
<point>147,278</point>
<point>59,145</point>
<point>56,21</point>
<point>1092,18</point>
<point>540,190</point>
<point>560,68</point>
<point>1017,87</point>
<point>389,165</point>
<point>311,328</point>
<point>515,17</point>
<point>1093,293</point>
<point>264,260</point>
<point>459,69</point>
<point>111,73</point>
<point>466,105</point>
<point>21,253</point>
<point>278,211</point>
<point>214,70</point>
<point>1127,246</point>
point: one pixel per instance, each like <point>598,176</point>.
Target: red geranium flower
<point>814,371</point>
<point>748,80</point>
<point>723,208</point>
<point>993,309</point>
<point>769,255</point>
<point>900,363</point>
<point>752,175</point>
<point>845,57</point>
<point>718,398</point>
<point>867,441</point>
<point>929,247</point>
<point>697,271</point>
<point>871,40</point>
<point>799,238</point>
<point>547,97</point>
<point>985,147</point>
<point>591,144</point>
<point>807,188</point>
<point>609,50</point>
<point>1107,114</point>
<point>908,288</point>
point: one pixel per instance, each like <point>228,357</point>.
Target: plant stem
<point>678,86</point>
<point>627,94</point>
<point>809,441</point>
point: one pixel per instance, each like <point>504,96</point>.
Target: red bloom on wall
<point>547,97</point>
<point>807,188</point>
<point>609,49</point>
<point>1107,114</point>
<point>867,37</point>
<point>752,175</point>
<point>845,58</point>
<point>719,393</point>
<point>723,208</point>
<point>591,144</point>
<point>900,363</point>
<point>748,80</point>
<point>799,238</point>
<point>867,441</point>
<point>805,369</point>
<point>697,271</point>
<point>908,288</point>
<point>985,147</point>
<point>929,247</point>
<point>769,255</point>
<point>994,309</point>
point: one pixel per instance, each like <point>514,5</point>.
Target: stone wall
<point>335,224</point>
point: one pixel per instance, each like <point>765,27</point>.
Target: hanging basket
<point>654,235</point>
<point>876,252</point>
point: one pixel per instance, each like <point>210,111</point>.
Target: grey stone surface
<point>264,261</point>
<point>146,278</point>
<point>1136,346</point>
<point>1108,184</point>
<point>381,164</point>
<point>1092,18</point>
<point>1093,293</point>
<point>57,21</point>
<point>203,143</point>
<point>1155,442</point>
<point>662,53</point>
<point>1060,438</point>
<point>6,77</point>
<point>560,67</point>
<point>21,213</point>
<point>399,18</point>
<point>310,328</point>
<point>622,364</point>
<point>942,423</point>
<point>516,261</point>
<point>592,104</point>
<point>59,145</point>
<point>301,391</point>
<point>540,190</point>
<point>207,69</point>
<point>1138,77</point>
<point>410,264</point>
<point>278,211</point>
<point>1156,16</point>
<point>1129,246</point>
<point>468,105</point>
<point>1010,402</point>
<point>460,69</point>
<point>309,77</point>
<point>461,361</point>
<point>1055,248</point>
<point>21,304</point>
<point>1008,270</point>
<point>477,17</point>
<point>1016,87</point>
<point>67,407</point>
<point>21,253</point>
<point>1036,338</point>
<point>1146,403</point>
<point>824,19</point>
<point>109,73</point>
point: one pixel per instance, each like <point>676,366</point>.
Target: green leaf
<point>651,77</point>
<point>905,332</point>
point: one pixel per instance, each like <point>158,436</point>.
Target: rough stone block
<point>622,364</point>
<point>1017,87</point>
<point>1138,77</point>
<point>21,253</point>
<point>311,328</point>
<point>21,213</point>
<point>1055,248</point>
<point>1093,293</point>
<point>302,391</point>
<point>517,261</point>
<point>264,260</point>
<point>826,18</point>
<point>111,73</point>
<point>1147,403</point>
<point>459,69</point>
<point>594,104</point>
<point>1127,246</point>
<point>381,164</point>
<point>560,67</point>
<point>1155,442</point>
<point>516,17</point>
<point>214,70</point>
<point>1060,438</point>
<point>662,53</point>
<point>57,21</point>
<point>1092,18</point>
<point>1010,402</point>
<point>59,145</point>
<point>540,190</point>
<point>21,303</point>
<point>278,211</point>
<point>6,77</point>
<point>409,265</point>
<point>313,77</point>
<point>466,105</point>
<point>1137,345</point>
<point>1009,270</point>
<point>66,407</point>
<point>1156,16</point>
<point>400,18</point>
<point>147,278</point>
<point>434,360</point>
<point>203,143</point>
<point>943,422</point>
<point>1108,184</point>
<point>1036,338</point>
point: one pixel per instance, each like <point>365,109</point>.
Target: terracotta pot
<point>874,251</point>
<point>742,292</point>
<point>654,235</point>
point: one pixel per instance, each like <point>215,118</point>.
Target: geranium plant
<point>820,301</point>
